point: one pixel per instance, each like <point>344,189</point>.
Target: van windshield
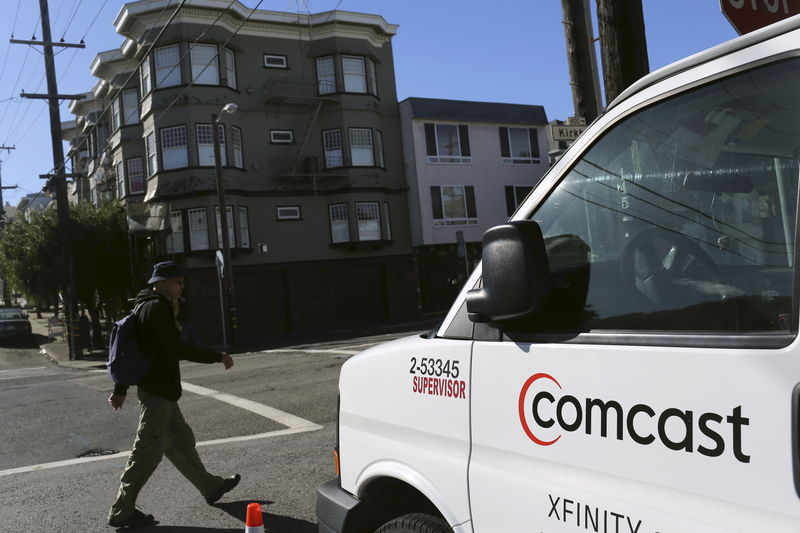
<point>683,215</point>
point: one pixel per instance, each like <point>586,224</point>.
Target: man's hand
<point>226,360</point>
<point>116,401</point>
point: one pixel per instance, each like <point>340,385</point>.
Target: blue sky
<point>500,51</point>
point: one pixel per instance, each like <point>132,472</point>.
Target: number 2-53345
<point>430,366</point>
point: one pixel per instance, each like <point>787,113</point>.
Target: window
<point>355,79</point>
<point>205,63</point>
<point>152,156</point>
<point>173,148</point>
<point>369,221</point>
<point>387,223</point>
<point>373,80</point>
<point>685,222</point>
<point>244,228</point>
<point>288,212</point>
<point>174,240</point>
<point>447,143</point>
<point>326,76</point>
<point>453,205</point>
<point>519,146</point>
<point>276,61</point>
<point>379,149</point>
<point>115,114</point>
<point>130,106</point>
<point>236,145</point>
<point>198,229</point>
<point>205,145</point>
<point>361,147</point>
<point>231,232</point>
<point>168,66</point>
<point>515,194</point>
<point>340,224</point>
<point>332,142</point>
<point>230,68</point>
<point>145,73</point>
<point>281,136</point>
<point>136,176</point>
<point>120,180</point>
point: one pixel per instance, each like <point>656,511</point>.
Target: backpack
<point>126,363</point>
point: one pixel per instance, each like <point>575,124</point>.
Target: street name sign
<point>565,132</point>
<point>749,15</point>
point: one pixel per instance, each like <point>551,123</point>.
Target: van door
<point>657,390</point>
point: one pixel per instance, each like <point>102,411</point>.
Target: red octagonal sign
<point>750,15</point>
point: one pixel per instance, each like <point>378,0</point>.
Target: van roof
<point>734,45</point>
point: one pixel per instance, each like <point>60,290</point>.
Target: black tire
<point>416,523</point>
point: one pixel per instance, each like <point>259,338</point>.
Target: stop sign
<point>748,15</point>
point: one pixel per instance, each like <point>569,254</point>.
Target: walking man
<point>162,429</point>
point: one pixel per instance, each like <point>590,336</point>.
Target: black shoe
<point>227,486</point>
<point>137,519</point>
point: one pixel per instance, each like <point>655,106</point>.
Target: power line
<point>75,10</point>
<point>98,14</point>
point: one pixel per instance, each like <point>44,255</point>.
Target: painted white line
<point>22,369</point>
<point>334,352</point>
<point>281,417</point>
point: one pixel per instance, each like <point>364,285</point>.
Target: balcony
<point>307,174</point>
<point>294,91</point>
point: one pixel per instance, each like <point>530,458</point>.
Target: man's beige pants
<point>162,431</point>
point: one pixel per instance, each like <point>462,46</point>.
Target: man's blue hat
<point>165,270</point>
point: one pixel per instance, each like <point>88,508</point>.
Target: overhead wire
<point>75,10</point>
<point>103,5</point>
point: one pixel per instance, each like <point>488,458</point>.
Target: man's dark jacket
<point>162,345</point>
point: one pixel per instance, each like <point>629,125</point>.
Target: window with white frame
<point>136,183</point>
<point>205,145</point>
<point>332,142</point>
<point>373,79</point>
<point>115,122</point>
<point>230,68</point>
<point>447,143</point>
<point>130,107</point>
<point>387,223</point>
<point>244,228</point>
<point>198,228</point>
<point>205,63</point>
<point>275,61</point>
<point>453,205</point>
<point>369,221</point>
<point>326,75</point>
<point>340,223</point>
<point>231,232</point>
<point>281,136</point>
<point>174,240</point>
<point>236,146</point>
<point>288,212</point>
<point>174,153</point>
<point>120,180</point>
<point>152,154</point>
<point>355,77</point>
<point>168,66</point>
<point>145,76</point>
<point>515,194</point>
<point>361,154</point>
<point>379,161</point>
<point>519,146</point>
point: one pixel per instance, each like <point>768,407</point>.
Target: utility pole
<point>623,46</point>
<point>581,58</point>
<point>6,288</point>
<point>62,203</point>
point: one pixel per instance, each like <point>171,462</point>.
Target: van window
<point>682,217</point>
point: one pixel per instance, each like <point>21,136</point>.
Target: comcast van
<point>626,357</point>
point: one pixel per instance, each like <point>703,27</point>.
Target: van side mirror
<point>515,274</point>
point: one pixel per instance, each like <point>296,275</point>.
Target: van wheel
<point>416,523</point>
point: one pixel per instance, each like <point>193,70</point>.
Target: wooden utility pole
<point>62,203</point>
<point>6,288</point>
<point>623,46</point>
<point>581,59</point>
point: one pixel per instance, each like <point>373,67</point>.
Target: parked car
<point>14,323</point>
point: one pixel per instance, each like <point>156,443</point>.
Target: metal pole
<point>230,319</point>
<point>62,202</point>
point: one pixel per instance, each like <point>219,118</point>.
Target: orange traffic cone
<point>254,522</point>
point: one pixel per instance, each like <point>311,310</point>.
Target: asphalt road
<point>271,418</point>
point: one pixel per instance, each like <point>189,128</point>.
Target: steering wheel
<point>670,270</point>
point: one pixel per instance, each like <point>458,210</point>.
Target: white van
<point>625,360</point>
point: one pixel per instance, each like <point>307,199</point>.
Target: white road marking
<point>294,424</point>
<point>334,352</point>
<point>23,369</point>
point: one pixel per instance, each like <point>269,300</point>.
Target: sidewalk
<point>54,346</point>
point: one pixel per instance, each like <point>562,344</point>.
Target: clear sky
<point>483,50</point>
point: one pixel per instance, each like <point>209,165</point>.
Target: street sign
<point>749,15</point>
<point>564,132</point>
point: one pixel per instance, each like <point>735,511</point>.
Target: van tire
<point>416,523</point>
